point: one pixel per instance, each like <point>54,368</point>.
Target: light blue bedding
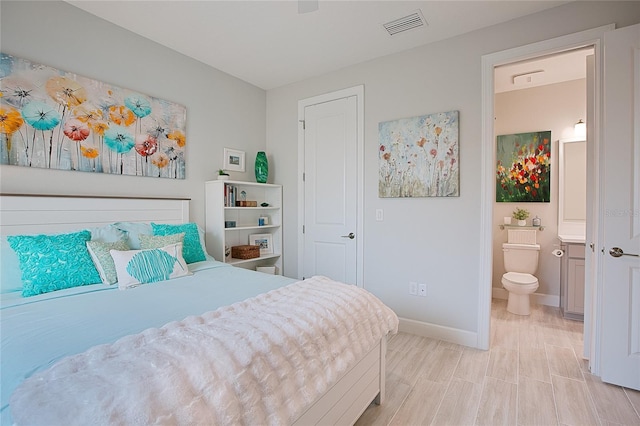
<point>40,330</point>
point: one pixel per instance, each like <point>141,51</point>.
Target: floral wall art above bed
<point>418,156</point>
<point>59,120</point>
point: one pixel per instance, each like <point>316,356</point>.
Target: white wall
<point>556,107</point>
<point>222,111</point>
<point>432,240</point>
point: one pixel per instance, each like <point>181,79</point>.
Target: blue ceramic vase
<point>262,167</point>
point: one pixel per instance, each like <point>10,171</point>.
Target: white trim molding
<point>440,332</point>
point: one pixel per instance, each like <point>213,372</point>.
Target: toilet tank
<point>521,258</point>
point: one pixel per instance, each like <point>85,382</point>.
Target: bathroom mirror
<point>572,185</point>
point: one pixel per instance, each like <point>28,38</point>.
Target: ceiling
<point>557,68</point>
<point>269,44</point>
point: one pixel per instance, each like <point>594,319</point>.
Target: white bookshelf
<point>218,211</point>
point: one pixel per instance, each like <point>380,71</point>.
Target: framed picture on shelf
<point>265,241</point>
<point>233,160</point>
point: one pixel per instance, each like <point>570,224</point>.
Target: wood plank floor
<point>533,374</point>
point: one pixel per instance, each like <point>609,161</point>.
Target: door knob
<point>617,252</point>
<point>351,236</point>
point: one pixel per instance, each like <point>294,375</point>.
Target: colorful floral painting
<point>523,167</point>
<point>418,156</point>
<point>59,120</point>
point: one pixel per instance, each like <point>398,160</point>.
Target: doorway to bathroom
<point>543,104</point>
<point>612,304</point>
<point>537,115</point>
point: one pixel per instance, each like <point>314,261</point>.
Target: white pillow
<point>135,267</point>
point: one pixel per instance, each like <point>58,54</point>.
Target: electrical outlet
<point>413,288</point>
<point>422,290</point>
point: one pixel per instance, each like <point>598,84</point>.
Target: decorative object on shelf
<point>264,241</point>
<point>418,156</point>
<point>536,221</point>
<point>263,220</point>
<point>246,204</point>
<point>264,204</point>
<point>227,251</point>
<point>523,170</point>
<point>223,175</point>
<point>261,167</point>
<point>520,215</point>
<point>245,251</point>
<point>229,223</point>
<point>507,220</point>
<point>243,196</point>
<point>54,119</point>
<point>233,160</point>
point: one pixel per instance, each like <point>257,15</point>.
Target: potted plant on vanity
<point>521,216</point>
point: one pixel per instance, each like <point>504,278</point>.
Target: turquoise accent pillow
<point>192,250</point>
<point>135,267</point>
<point>54,262</point>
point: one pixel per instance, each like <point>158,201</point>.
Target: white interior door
<point>330,190</point>
<point>620,320</point>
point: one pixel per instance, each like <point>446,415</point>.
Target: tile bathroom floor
<point>533,374</point>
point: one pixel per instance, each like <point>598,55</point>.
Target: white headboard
<point>34,214</point>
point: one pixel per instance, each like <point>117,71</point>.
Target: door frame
<point>592,37</point>
<point>358,92</point>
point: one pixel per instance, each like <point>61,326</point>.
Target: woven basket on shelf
<point>245,252</point>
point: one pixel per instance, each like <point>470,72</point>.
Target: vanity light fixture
<point>580,129</point>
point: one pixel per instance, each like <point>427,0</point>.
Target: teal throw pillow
<point>135,267</point>
<point>54,262</point>
<point>192,249</point>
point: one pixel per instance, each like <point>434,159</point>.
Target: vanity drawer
<point>576,251</point>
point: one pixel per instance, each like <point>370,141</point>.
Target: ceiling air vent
<point>409,22</point>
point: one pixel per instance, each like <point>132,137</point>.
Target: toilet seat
<point>519,278</point>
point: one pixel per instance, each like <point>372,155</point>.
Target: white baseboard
<point>463,337</point>
<point>537,298</point>
<point>453,335</point>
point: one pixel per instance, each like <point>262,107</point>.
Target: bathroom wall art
<point>523,170</point>
<point>418,156</point>
<point>59,120</point>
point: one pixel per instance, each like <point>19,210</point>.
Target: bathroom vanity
<point>572,279</point>
<point>572,222</point>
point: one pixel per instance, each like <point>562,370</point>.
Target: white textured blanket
<point>261,361</point>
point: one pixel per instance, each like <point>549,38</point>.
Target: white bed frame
<point>343,404</point>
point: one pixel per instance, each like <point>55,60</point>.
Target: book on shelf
<point>232,197</point>
<point>230,192</point>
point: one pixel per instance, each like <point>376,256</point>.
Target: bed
<point>218,345</point>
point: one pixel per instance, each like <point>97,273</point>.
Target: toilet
<point>520,262</point>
